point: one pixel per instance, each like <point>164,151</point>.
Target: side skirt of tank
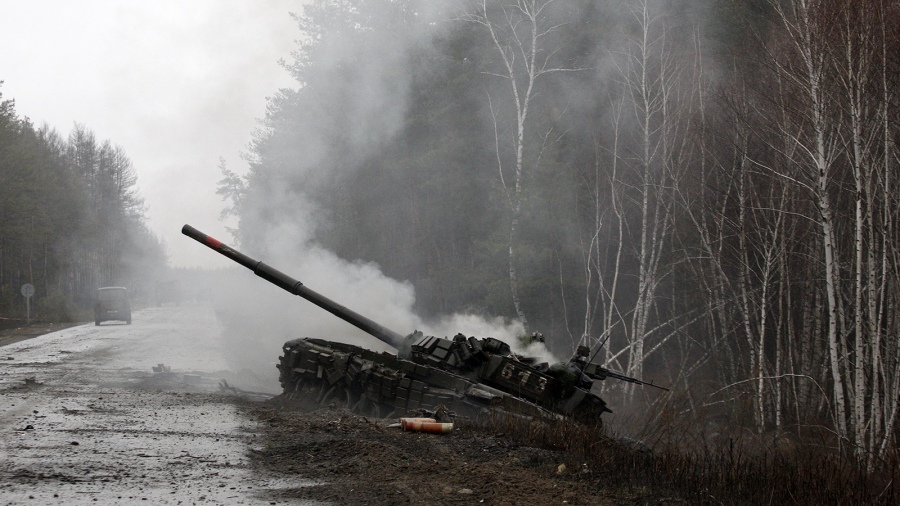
<point>349,376</point>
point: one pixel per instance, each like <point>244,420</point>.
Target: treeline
<point>708,188</point>
<point>70,219</point>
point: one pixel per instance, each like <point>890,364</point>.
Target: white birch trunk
<point>519,16</point>
<point>801,27</point>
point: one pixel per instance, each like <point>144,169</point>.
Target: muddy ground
<point>358,460</point>
<point>85,418</point>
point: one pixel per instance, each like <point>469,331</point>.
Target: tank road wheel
<point>292,392</point>
<point>324,390</point>
<point>367,407</point>
<point>359,407</point>
<point>337,393</point>
<point>353,398</point>
<point>325,395</point>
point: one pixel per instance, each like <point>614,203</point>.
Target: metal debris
<point>162,368</point>
<point>225,387</point>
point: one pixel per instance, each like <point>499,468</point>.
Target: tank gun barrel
<point>295,287</point>
<point>594,371</point>
<point>584,361</point>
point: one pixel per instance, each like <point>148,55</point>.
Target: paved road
<point>84,419</point>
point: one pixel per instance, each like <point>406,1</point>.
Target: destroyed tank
<point>466,376</point>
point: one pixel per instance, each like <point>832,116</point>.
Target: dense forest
<point>707,188</point>
<point>70,220</point>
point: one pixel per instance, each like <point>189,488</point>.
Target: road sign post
<point>27,292</point>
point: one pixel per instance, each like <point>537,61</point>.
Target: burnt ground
<point>358,460</point>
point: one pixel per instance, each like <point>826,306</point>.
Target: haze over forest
<point>706,187</point>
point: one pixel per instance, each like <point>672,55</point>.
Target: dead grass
<point>674,460</point>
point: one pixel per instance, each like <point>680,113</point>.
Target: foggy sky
<point>178,85</point>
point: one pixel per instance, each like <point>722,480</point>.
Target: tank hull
<point>465,375</point>
<point>385,385</point>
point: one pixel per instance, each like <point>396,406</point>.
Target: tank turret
<point>466,375</point>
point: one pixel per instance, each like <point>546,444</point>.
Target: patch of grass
<point>674,461</point>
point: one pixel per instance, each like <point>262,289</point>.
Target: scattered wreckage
<point>466,375</point>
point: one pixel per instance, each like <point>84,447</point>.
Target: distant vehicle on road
<point>112,304</point>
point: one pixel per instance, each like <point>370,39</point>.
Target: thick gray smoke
<point>259,317</point>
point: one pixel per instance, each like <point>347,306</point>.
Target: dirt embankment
<point>358,460</point>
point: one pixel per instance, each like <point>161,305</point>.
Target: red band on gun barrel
<point>212,243</point>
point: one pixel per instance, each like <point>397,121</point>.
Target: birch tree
<point>806,33</point>
<point>524,36</point>
<point>650,78</point>
<point>830,61</point>
<point>855,35</point>
<point>885,348</point>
